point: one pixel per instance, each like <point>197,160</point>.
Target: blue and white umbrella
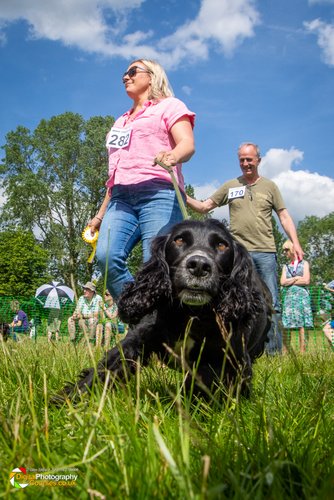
<point>54,295</point>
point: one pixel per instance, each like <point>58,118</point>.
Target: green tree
<point>23,264</point>
<point>54,180</point>
<point>135,259</point>
<point>192,213</point>
<point>316,235</point>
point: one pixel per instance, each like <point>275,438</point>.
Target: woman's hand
<point>287,281</point>
<point>95,224</point>
<point>167,157</point>
<point>96,221</point>
<point>183,136</point>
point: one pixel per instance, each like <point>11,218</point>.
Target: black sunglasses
<point>285,250</point>
<point>133,71</point>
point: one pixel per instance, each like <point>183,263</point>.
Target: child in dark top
<point>20,323</point>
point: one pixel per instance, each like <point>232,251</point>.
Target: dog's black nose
<point>199,266</point>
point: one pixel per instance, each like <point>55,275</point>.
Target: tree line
<point>53,180</point>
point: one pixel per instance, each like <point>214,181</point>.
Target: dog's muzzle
<point>196,279</point>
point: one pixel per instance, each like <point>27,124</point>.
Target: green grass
<point>148,439</point>
<point>314,337</point>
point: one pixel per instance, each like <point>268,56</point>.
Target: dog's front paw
<point>67,393</point>
<point>72,392</point>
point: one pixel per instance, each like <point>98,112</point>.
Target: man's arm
<point>290,229</point>
<point>203,207</point>
<point>77,311</point>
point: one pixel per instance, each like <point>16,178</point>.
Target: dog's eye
<point>178,241</point>
<point>221,247</point>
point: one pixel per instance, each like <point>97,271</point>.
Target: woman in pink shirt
<point>140,202</point>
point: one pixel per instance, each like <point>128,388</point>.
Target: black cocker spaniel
<point>199,290</point>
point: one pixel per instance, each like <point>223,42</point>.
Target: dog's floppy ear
<point>151,285</point>
<point>243,267</point>
<point>240,296</point>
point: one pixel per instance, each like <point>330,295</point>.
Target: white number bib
<point>238,192</point>
<point>119,138</point>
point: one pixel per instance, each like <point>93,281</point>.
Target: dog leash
<point>176,188</point>
<point>92,239</point>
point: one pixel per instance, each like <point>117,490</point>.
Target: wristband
<point>98,218</point>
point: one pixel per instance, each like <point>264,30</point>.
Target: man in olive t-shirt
<point>252,200</point>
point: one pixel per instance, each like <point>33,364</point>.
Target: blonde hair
<point>160,86</point>
<point>15,305</point>
<point>289,245</point>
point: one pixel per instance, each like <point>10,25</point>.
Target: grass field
<point>148,439</point>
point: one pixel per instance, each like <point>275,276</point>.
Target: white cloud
<point>222,21</point>
<point>312,2</point>
<point>325,33</point>
<point>81,23</point>
<point>304,193</point>
<point>205,190</point>
<point>98,25</point>
<point>186,89</point>
<point>279,160</point>
<point>307,193</point>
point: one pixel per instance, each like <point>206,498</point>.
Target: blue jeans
<point>135,212</point>
<point>266,266</point>
<point>18,329</point>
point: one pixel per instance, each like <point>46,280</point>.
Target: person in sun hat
<point>86,313</point>
<point>140,202</point>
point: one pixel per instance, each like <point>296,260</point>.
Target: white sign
<point>237,192</point>
<point>119,138</point>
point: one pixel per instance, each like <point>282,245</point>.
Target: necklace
<point>133,114</point>
<point>130,118</point>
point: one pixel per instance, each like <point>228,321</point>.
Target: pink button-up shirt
<point>150,134</point>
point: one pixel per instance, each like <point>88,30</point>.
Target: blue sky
<point>260,71</point>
